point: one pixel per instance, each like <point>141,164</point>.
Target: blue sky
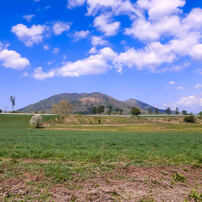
<point>149,50</point>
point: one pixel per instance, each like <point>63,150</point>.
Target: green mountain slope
<point>84,103</point>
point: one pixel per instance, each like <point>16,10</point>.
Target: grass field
<point>74,154</point>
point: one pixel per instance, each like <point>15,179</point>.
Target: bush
<point>36,121</point>
<point>190,119</point>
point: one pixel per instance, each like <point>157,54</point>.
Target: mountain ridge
<point>84,103</point>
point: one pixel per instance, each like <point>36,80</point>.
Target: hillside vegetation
<point>84,103</point>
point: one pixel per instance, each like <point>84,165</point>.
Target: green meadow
<point>169,144</point>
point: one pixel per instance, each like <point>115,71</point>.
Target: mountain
<point>143,106</point>
<point>84,102</point>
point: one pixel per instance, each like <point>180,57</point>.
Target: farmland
<point>80,161</point>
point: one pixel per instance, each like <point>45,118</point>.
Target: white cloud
<point>28,17</point>
<point>74,3</point>
<point>29,36</point>
<point>149,57</point>
<point>180,88</point>
<point>196,52</point>
<point>12,59</point>
<point>160,8</point>
<point>171,82</point>
<point>40,75</point>
<point>97,40</point>
<point>94,64</point>
<point>46,47</point>
<point>147,30</point>
<point>192,101</point>
<point>60,27</point>
<point>93,50</point>
<point>104,24</point>
<point>56,50</point>
<point>116,6</point>
<point>81,34</point>
<point>198,86</point>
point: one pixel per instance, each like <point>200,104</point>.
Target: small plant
<point>36,121</point>
<point>190,119</point>
<point>196,196</point>
<point>178,177</point>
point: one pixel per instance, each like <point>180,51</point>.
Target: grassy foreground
<point>44,158</point>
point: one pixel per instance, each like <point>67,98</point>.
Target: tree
<point>101,109</point>
<point>200,114</point>
<point>149,110</point>
<point>177,111</point>
<point>168,111</point>
<point>12,99</point>
<point>63,108</point>
<point>117,110</point>
<point>94,111</point>
<point>135,111</point>
<point>156,110</point>
<point>120,111</point>
<point>0,110</point>
<point>184,112</point>
<point>109,112</point>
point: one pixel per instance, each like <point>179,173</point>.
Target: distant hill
<point>84,103</point>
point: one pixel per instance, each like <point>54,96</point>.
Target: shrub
<point>36,121</point>
<point>178,177</point>
<point>190,119</point>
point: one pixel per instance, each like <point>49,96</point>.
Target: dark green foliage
<point>0,111</point>
<point>12,99</point>
<point>156,111</point>
<point>190,119</point>
<point>177,111</point>
<point>135,111</point>
<point>94,110</point>
<point>168,111</point>
<point>200,115</point>
<point>101,109</point>
<point>109,112</point>
<point>150,110</point>
<point>179,177</point>
<point>196,196</point>
<point>184,112</point>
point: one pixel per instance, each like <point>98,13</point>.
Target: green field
<point>18,140</point>
<point>79,153</point>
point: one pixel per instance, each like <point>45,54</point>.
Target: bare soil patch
<point>124,183</point>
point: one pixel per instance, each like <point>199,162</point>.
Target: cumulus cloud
<point>12,59</point>
<point>94,64</point>
<point>160,8</point>
<point>60,27</point>
<point>105,24</point>
<point>29,36</point>
<point>196,52</point>
<point>192,101</point>
<point>81,35</point>
<point>97,40</point>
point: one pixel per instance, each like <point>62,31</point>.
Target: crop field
<point>136,162</point>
